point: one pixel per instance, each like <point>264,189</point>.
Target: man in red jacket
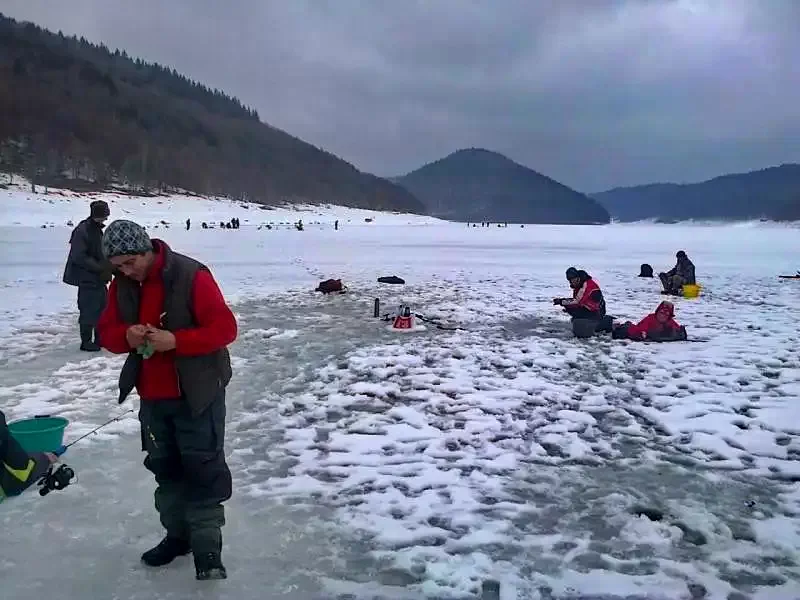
<point>167,313</point>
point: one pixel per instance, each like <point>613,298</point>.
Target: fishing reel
<point>56,479</point>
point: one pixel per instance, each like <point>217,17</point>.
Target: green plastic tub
<point>39,434</point>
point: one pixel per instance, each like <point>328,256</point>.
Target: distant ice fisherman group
<point>587,306</point>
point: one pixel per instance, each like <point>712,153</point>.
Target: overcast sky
<point>594,93</point>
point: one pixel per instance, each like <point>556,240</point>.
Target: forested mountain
<point>772,193</point>
<point>479,185</point>
<point>73,112</point>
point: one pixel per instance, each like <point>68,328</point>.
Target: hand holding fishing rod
<point>61,477</point>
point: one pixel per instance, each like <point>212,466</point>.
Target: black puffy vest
<point>199,377</point>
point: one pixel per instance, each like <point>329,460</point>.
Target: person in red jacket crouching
<point>659,326</point>
<point>167,313</point>
<point>587,307</point>
<point>587,300</point>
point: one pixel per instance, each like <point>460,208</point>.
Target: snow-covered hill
<point>19,206</point>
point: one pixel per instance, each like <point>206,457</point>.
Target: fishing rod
<point>58,479</point>
<point>439,325</point>
<point>95,430</point>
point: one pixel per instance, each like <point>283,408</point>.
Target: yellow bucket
<point>691,291</point>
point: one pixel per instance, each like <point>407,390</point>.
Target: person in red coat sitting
<point>587,300</point>
<point>659,326</point>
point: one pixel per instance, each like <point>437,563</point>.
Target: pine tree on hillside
<point>76,113</point>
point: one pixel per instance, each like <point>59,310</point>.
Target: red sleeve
<point>216,325</point>
<point>585,297</point>
<point>637,331</point>
<point>111,328</point>
<point>588,295</point>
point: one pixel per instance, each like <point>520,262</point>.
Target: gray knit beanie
<point>125,237</point>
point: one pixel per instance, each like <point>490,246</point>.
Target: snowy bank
<point>57,208</point>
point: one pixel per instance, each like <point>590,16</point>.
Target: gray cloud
<point>595,94</point>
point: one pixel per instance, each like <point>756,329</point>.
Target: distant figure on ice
<point>299,225</point>
<point>166,312</point>
<point>336,225</point>
<point>204,225</point>
<point>587,300</point>
<point>681,274</point>
<point>188,224</point>
<point>18,469</point>
<point>89,271</point>
<point>659,326</point>
<point>645,270</point>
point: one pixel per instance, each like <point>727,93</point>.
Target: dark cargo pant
<point>581,312</point>
<point>91,303</point>
<point>186,455</point>
<point>672,283</point>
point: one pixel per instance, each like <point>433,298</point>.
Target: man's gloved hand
<point>558,301</point>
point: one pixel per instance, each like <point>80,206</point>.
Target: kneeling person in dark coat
<point>167,313</point>
<point>681,274</point>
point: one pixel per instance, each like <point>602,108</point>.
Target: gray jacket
<point>685,270</point>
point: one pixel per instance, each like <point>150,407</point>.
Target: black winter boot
<point>208,565</point>
<point>167,550</point>
<point>87,339</point>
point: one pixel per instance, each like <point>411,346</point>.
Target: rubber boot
<point>208,565</point>
<point>167,550</point>
<point>87,342</point>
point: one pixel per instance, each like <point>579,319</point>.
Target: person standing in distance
<point>89,271</point>
<point>167,313</point>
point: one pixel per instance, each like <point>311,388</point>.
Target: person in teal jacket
<point>18,469</point>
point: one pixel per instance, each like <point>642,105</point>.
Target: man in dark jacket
<point>681,274</point>
<point>18,469</point>
<point>89,271</point>
<point>167,313</point>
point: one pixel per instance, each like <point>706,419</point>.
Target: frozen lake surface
<point>504,460</point>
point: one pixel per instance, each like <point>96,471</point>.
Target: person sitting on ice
<point>587,300</point>
<point>681,274</point>
<point>18,469</point>
<point>659,326</point>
